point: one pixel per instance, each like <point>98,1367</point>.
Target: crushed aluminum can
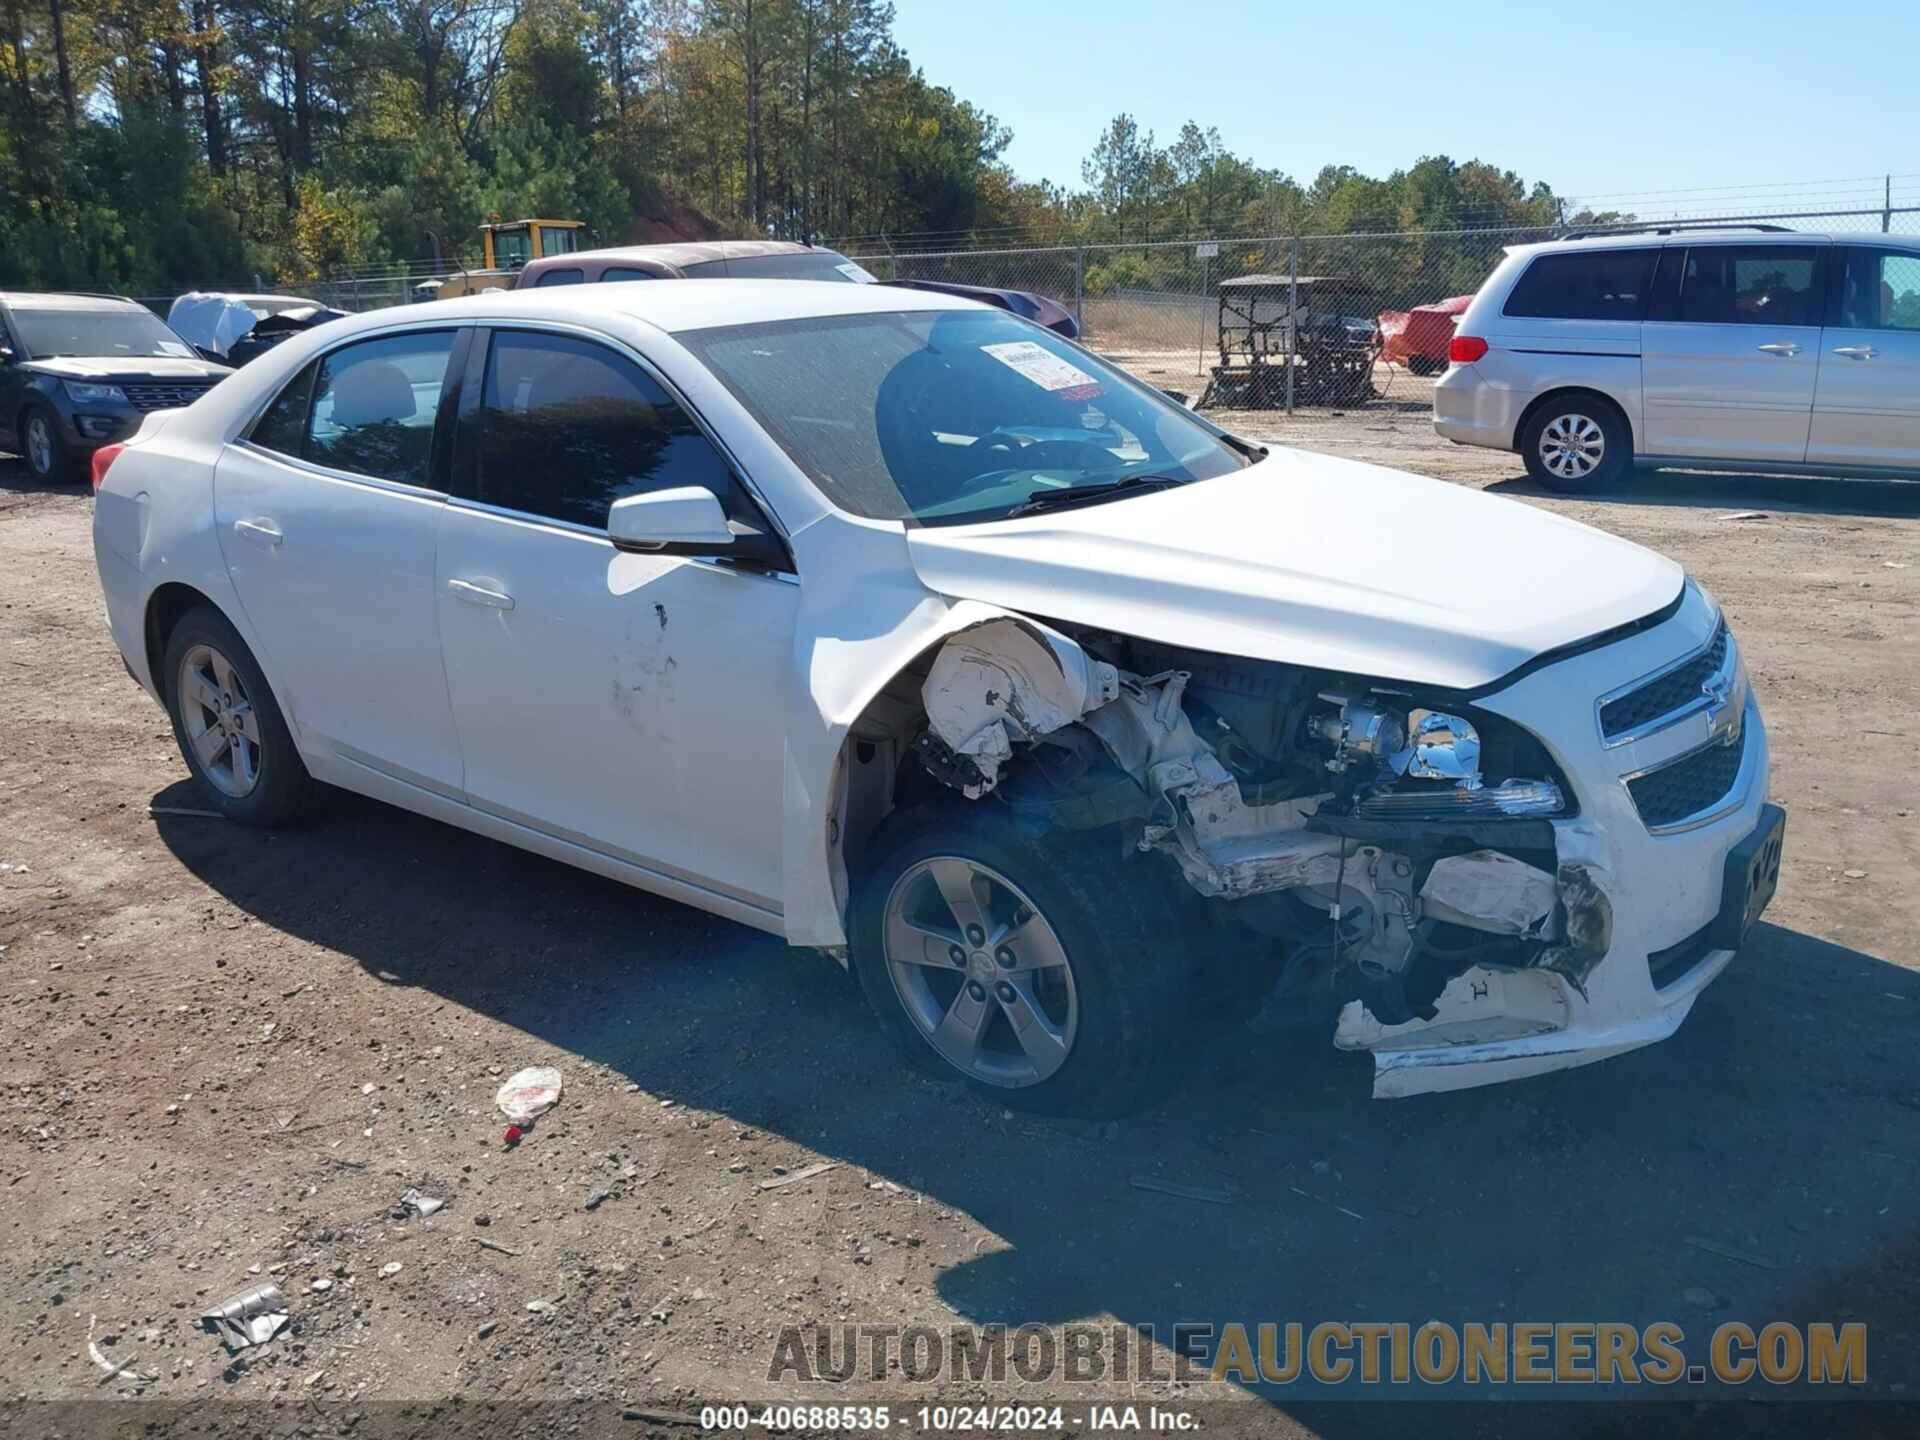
<point>253,1317</point>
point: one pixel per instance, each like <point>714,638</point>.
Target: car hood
<point>1314,561</point>
<point>122,367</point>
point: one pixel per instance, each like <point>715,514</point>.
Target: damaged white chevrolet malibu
<point>910,631</point>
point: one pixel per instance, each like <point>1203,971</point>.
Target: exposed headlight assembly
<point>1434,773</point>
<point>83,392</point>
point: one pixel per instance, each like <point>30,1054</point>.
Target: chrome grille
<point>1675,690</point>
<point>1692,785</point>
<point>166,395</point>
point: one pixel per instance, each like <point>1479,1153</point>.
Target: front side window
<point>566,275</point>
<point>511,248</point>
<point>1881,290</point>
<point>1585,285</point>
<point>1751,285</point>
<point>128,332</point>
<point>565,427</point>
<point>947,417</point>
<point>374,405</point>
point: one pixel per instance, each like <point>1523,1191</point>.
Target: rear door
<point>1731,351</point>
<point>1866,407</point>
<point>327,516</point>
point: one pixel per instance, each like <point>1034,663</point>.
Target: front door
<point>1728,364</point>
<point>327,514</point>
<point>633,704</point>
<point>1866,409</point>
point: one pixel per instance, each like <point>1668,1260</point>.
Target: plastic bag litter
<point>530,1093</point>
<point>414,1203</point>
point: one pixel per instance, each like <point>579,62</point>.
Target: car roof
<point>38,300</point>
<point>1682,234</point>
<point>689,306</point>
<point>690,252</point>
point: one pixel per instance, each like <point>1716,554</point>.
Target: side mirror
<point>6,354</point>
<point>685,520</point>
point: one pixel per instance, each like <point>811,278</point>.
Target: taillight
<point>1465,349</point>
<point>102,458</point>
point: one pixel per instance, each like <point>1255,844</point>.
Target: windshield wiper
<point>1092,494</point>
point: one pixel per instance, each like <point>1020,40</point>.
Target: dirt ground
<point>224,1055</point>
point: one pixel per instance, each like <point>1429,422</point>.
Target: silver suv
<point>1742,349</point>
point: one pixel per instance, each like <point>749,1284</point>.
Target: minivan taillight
<point>102,458</point>
<point>1465,349</point>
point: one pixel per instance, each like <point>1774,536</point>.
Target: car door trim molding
<point>317,471</point>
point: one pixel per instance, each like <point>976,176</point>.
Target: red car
<point>1418,338</point>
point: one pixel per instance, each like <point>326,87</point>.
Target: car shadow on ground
<point>1740,492</point>
<point>1759,1166</point>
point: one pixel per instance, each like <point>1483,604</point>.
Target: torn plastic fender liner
<point>855,631</point>
<point>1006,679</point>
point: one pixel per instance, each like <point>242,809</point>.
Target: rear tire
<point>48,459</point>
<point>1073,1010</point>
<point>1577,445</point>
<point>227,723</point>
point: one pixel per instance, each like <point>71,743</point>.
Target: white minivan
<point>1748,348</point>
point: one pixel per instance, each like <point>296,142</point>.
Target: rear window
<point>1589,285</point>
<point>801,265</point>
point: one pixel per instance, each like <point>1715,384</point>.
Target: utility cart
<point>1312,327</point>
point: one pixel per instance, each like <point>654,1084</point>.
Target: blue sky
<point>1601,97</point>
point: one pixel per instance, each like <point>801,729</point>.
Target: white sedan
<point>907,630</point>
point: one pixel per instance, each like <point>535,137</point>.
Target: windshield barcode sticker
<point>1045,369</point>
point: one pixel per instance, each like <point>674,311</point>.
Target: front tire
<point>1577,445</point>
<point>227,723</point>
<point>48,459</point>
<point>1021,964</point>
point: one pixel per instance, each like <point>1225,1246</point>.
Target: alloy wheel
<point>221,724</point>
<point>980,973</point>
<point>1572,446</point>
<point>39,445</point>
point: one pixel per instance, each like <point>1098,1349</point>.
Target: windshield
<point>800,265</point>
<point>949,417</point>
<point>96,334</point>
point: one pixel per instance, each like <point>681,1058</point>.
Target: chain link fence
<point>1340,325</point>
<point>1336,322</point>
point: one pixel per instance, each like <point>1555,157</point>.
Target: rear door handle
<point>1856,352</point>
<point>1784,348</point>
<point>263,531</point>
<point>479,595</point>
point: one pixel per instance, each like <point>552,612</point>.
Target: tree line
<point>155,145</point>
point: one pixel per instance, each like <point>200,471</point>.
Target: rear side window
<point>1881,290</point>
<point>1751,285</point>
<point>367,409</point>
<point>565,427</point>
<point>1584,285</point>
<point>568,275</point>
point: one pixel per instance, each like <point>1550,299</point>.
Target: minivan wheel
<point>46,454</point>
<point>1020,964</point>
<point>227,723</point>
<point>1577,446</point>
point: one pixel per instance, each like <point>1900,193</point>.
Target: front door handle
<point>1856,352</point>
<point>479,595</point>
<point>1782,348</point>
<point>264,531</point>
